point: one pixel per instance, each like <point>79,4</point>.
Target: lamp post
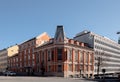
<point>119,38</point>
<point>118,32</point>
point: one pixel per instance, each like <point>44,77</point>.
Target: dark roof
<point>59,31</point>
<point>28,40</point>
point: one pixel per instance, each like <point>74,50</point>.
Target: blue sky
<point>21,20</point>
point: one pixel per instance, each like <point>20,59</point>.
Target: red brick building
<point>13,63</point>
<point>25,60</point>
<point>64,57</point>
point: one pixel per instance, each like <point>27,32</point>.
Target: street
<point>39,79</point>
<point>47,79</point>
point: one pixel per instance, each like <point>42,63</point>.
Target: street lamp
<point>119,37</point>
<point>118,32</point>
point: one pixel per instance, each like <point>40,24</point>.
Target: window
<point>24,51</point>
<point>81,57</point>
<point>28,63</point>
<point>28,57</point>
<point>87,54</point>
<point>16,59</point>
<point>59,68</point>
<point>42,56</point>
<point>17,64</point>
<point>70,67</point>
<point>28,50</point>
<point>20,64</point>
<point>76,55</point>
<point>91,68</point>
<point>25,64</point>
<point>91,58</point>
<point>49,56</point>
<point>33,43</point>
<point>49,68</point>
<point>70,55</point>
<point>86,68</point>
<point>24,46</point>
<point>32,50</point>
<point>33,64</point>
<point>13,60</point>
<point>37,57</point>
<point>81,67</point>
<point>76,67</point>
<point>59,52</point>
<point>20,58</point>
<point>25,57</point>
<point>52,55</point>
<point>33,56</point>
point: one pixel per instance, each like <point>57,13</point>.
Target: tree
<point>100,62</point>
<point>98,65</point>
<point>103,70</point>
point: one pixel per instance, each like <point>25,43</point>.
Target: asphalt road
<point>47,79</point>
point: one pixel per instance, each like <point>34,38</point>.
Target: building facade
<point>13,63</point>
<point>107,52</point>
<point>12,50</point>
<point>25,61</point>
<point>64,57</point>
<point>3,60</point>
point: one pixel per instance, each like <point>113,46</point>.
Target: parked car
<point>9,73</point>
<point>97,77</point>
